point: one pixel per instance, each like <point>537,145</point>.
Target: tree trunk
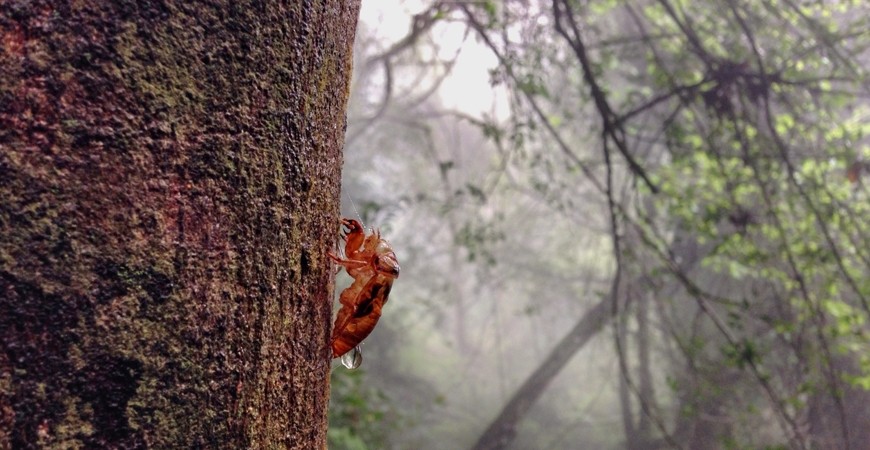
<point>502,430</point>
<point>169,184</point>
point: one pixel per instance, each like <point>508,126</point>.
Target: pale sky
<point>467,89</point>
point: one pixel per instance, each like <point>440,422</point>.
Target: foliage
<point>360,416</point>
<point>703,162</point>
<point>749,135</point>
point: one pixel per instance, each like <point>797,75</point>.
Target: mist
<point>637,225</point>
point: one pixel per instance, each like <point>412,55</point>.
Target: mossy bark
<point>169,182</point>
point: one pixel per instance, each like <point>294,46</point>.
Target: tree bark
<point>169,185</point>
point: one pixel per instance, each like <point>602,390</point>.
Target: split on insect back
<point>370,261</point>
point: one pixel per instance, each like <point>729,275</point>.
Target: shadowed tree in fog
<point>710,159</point>
<point>739,133</point>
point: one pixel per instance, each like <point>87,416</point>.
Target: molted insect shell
<point>372,264</point>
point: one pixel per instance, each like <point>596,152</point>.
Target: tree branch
<point>612,127</point>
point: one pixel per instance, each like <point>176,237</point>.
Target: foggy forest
<point>577,224</point>
<point>630,225</point>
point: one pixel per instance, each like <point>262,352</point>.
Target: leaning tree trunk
<point>502,430</point>
<point>169,179</point>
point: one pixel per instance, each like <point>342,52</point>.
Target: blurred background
<point>620,224</point>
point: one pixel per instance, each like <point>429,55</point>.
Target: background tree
<point>700,167</point>
<point>169,178</point>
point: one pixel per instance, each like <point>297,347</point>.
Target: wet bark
<point>169,185</point>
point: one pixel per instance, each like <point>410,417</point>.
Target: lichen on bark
<point>169,182</point>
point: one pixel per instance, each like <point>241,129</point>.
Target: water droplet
<point>352,359</point>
